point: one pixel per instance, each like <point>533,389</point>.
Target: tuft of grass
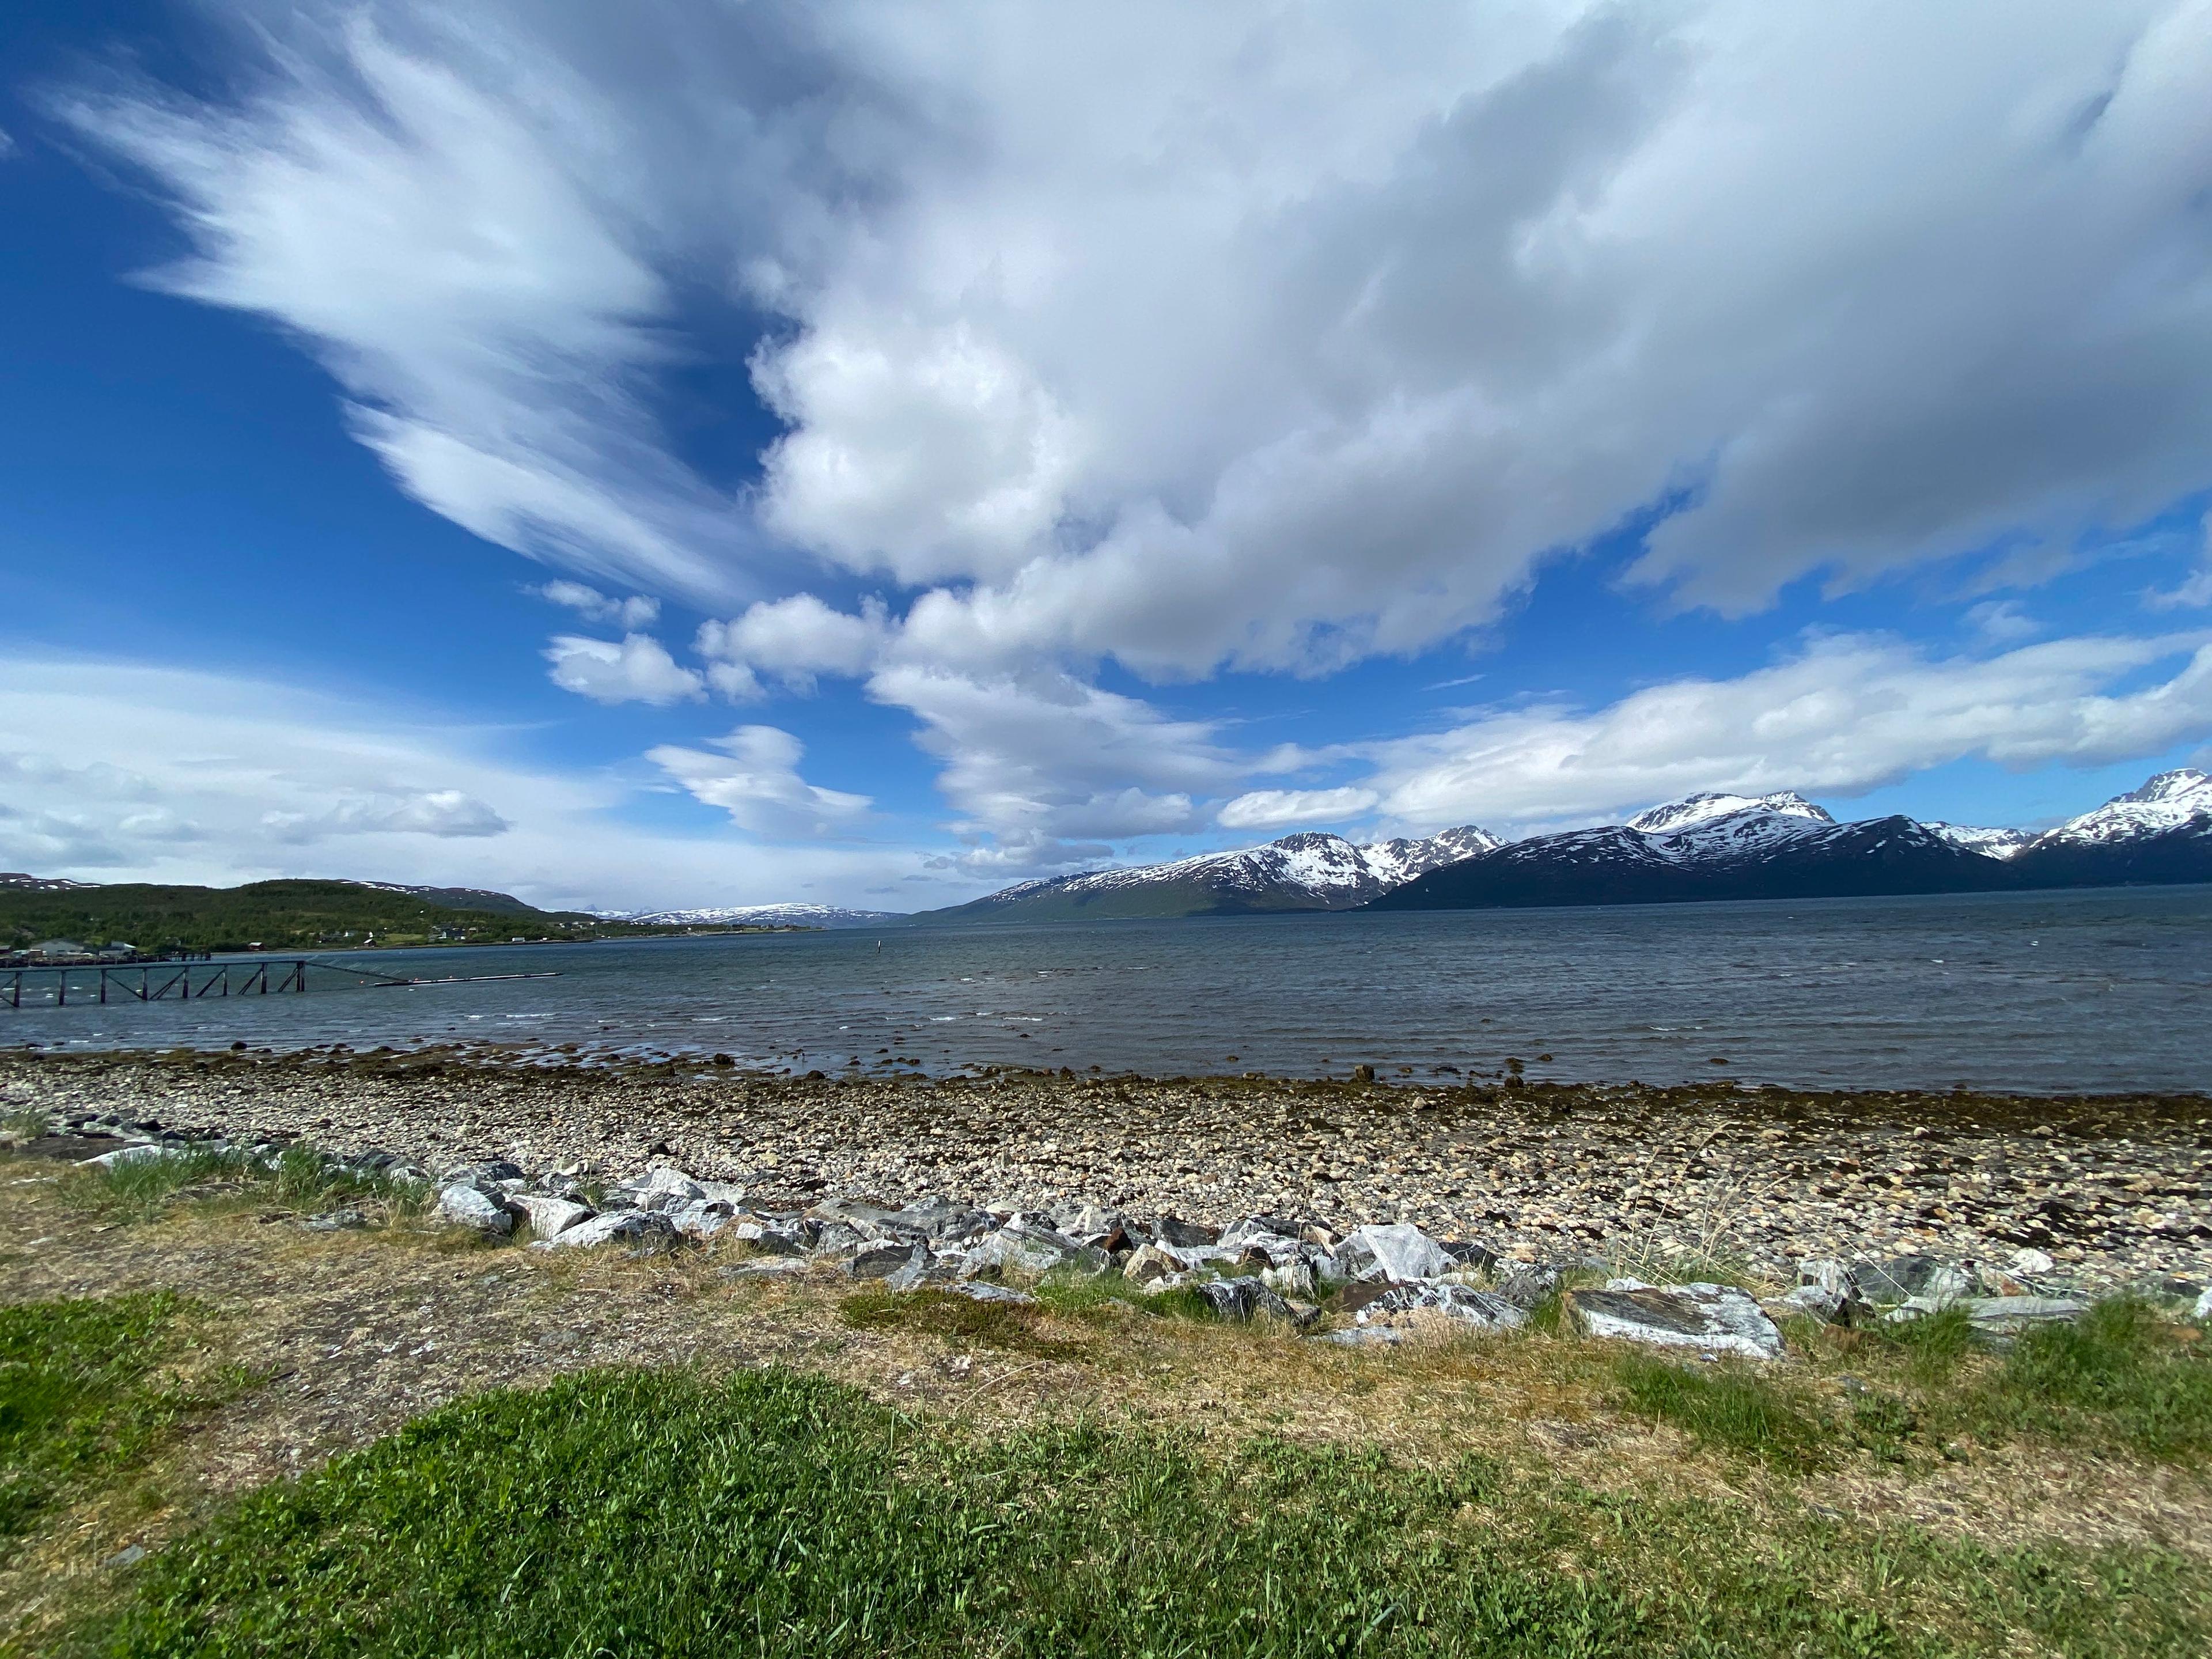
<point>773,1514</point>
<point>142,1189</point>
<point>77,1401</point>
<point>2123,1378</point>
<point>1729,1405</point>
<point>956,1318</point>
<point>26,1122</point>
<point>1933,1345</point>
<point>1091,1294</point>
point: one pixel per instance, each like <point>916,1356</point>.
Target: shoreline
<point>2110,1186</point>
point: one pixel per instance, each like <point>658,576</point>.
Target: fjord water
<point>2038,992</point>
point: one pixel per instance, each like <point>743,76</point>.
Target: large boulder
<point>148,1151</point>
<point>548,1216</point>
<point>1174,1229</point>
<point>944,1221</point>
<point>1027,1245</point>
<point>1709,1318</point>
<point>1462,1302</point>
<point>1397,1252</point>
<point>2004,1315</point>
<point>661,1190</point>
<point>641,1229</point>
<point>464,1206</point>
<point>1921,1282</point>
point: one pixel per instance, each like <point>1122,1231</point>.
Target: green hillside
<point>278,915</point>
<point>1151,901</point>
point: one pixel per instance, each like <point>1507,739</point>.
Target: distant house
<point>52,948</point>
<point>117,950</point>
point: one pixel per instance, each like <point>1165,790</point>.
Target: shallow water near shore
<point>2042,992</point>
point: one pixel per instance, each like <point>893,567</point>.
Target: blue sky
<point>713,455</point>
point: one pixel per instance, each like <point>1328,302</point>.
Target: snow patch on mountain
<point>1672,816</point>
<point>1992,843</point>
<point>766,916</point>
<point>16,881</point>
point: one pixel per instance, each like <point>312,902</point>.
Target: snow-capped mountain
<point>767,916</point>
<point>456,898</point>
<point>16,881</point>
<point>1690,810</point>
<point>1993,843</point>
<point>1307,871</point>
<point>2174,800</point>
<point>1722,847</point>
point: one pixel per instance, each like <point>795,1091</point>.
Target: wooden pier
<point>189,981</point>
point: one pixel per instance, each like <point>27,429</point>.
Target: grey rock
<point>766,1237</point>
<point>1397,1252</point>
<point>130,1556</point>
<point>1088,1223</point>
<point>2203,1308</point>
<point>1025,1246</point>
<point>914,1272</point>
<point>880,1260</point>
<point>1365,1336</point>
<point>1527,1286</point>
<point>1460,1302</point>
<point>466,1206</point>
<point>664,1190</point>
<point>943,1221</point>
<point>1241,1298</point>
<point>702,1217</point>
<point>1148,1263</point>
<point>640,1229</point>
<point>1920,1280</point>
<point>1296,1279</point>
<point>548,1216</point>
<point>2008,1313</point>
<point>1710,1318</point>
<point>1830,1307</point>
<point>1174,1229</point>
<point>334,1221</point>
<point>781,1266</point>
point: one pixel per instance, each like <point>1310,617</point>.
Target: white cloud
<point>1049,769</point>
<point>754,779</point>
<point>793,639</point>
<point>633,612</point>
<point>1192,336</point>
<point>2195,591</point>
<point>1272,808</point>
<point>2003,622</point>
<point>425,813</point>
<point>1420,295</point>
<point>637,668</point>
<point>113,770</point>
<point>1846,716</point>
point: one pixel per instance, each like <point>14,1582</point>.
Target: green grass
<point>143,1188</point>
<point>958,1319</point>
<point>77,1401</point>
<point>2122,1379</point>
<point>1088,1295</point>
<point>26,1122</point>
<point>1730,1406</point>
<point>771,1513</point>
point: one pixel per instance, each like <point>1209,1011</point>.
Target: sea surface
<point>2039,992</point>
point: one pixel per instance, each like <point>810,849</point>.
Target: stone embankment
<point>2113,1191</point>
<point>1387,1279</point>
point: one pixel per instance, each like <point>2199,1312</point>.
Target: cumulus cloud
<point>427,812</point>
<point>588,601</point>
<point>1047,769</point>
<point>636,668</point>
<point>1845,716</point>
<point>795,640</point>
<point>1186,337</point>
<point>1422,296</point>
<point>754,777</point>
<point>1271,809</point>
